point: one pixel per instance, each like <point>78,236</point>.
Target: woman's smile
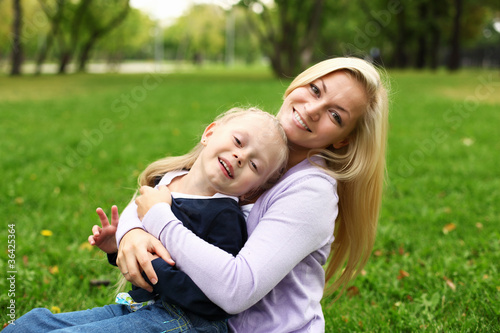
<point>301,121</point>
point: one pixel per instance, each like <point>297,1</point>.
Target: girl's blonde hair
<point>157,169</point>
<point>359,169</point>
<point>153,172</point>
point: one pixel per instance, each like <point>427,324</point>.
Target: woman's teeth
<point>297,117</point>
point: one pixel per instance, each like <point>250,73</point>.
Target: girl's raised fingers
<point>96,230</point>
<point>114,215</point>
<point>102,217</point>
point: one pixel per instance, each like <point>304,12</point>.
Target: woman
<point>327,204</point>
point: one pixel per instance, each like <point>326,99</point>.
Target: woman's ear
<point>209,130</point>
<point>341,144</point>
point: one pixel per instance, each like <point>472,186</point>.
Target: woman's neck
<point>295,157</point>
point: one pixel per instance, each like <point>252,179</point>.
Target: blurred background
<point>66,36</point>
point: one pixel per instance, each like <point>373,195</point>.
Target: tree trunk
<point>400,56</point>
<point>17,48</point>
<point>43,54</point>
<point>64,61</point>
<point>55,21</point>
<point>435,34</point>
<point>454,60</point>
<point>289,37</point>
<point>434,51</point>
<point>84,56</point>
<point>422,36</point>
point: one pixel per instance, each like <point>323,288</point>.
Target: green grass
<point>70,144</point>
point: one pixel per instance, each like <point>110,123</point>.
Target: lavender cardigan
<point>276,282</point>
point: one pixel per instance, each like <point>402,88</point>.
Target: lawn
<point>70,144</point>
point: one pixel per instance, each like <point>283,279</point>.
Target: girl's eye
<point>254,166</point>
<point>336,117</point>
<point>238,142</point>
<point>315,89</point>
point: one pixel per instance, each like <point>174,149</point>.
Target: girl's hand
<point>150,197</point>
<point>104,238</point>
<point>137,250</point>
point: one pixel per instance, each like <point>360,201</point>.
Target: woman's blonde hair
<point>157,169</point>
<point>359,169</point>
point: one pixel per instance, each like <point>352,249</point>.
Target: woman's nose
<point>312,110</point>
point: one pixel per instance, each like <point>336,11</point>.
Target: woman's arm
<point>296,223</point>
<point>130,227</point>
<point>225,230</point>
<point>128,220</point>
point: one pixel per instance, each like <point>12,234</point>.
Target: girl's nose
<point>238,160</point>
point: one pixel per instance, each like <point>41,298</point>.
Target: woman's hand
<point>150,197</point>
<point>137,249</point>
<point>104,238</point>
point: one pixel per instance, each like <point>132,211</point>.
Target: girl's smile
<point>227,168</point>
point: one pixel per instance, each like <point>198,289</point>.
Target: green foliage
<point>131,40</point>
<point>200,33</point>
<point>70,144</point>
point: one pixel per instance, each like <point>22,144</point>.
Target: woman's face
<point>323,113</point>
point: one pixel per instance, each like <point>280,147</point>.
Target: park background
<point>93,91</point>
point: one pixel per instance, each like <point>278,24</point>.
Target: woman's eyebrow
<point>323,84</point>
<point>340,108</point>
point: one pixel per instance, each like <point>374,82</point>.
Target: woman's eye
<point>315,89</point>
<point>336,117</point>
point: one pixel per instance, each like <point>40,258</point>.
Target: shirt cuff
<point>157,218</point>
<point>129,226</point>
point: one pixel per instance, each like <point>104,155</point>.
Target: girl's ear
<point>341,144</point>
<point>209,130</point>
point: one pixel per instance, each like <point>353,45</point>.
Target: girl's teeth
<point>297,117</point>
<point>225,167</point>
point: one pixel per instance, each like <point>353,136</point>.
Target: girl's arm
<point>296,223</point>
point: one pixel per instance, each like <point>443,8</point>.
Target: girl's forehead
<point>250,121</point>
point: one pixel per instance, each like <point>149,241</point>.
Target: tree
<point>54,17</point>
<point>76,26</point>
<point>17,47</point>
<point>199,34</point>
<point>132,40</point>
<point>97,28</point>
<point>287,32</point>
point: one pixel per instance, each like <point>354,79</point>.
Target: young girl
<point>239,153</point>
<point>335,116</point>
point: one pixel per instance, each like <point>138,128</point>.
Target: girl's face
<point>239,155</point>
<point>322,113</point>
